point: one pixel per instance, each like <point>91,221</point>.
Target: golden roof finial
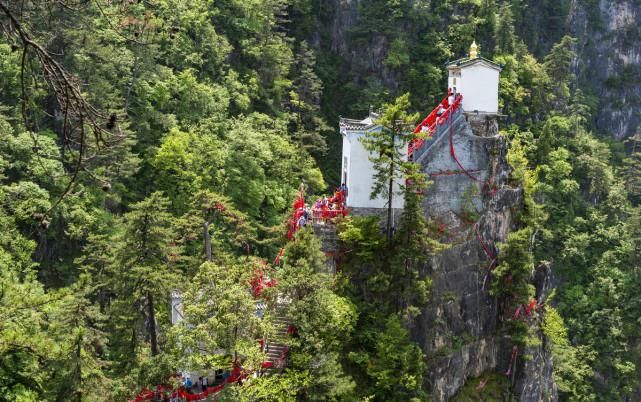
<point>474,50</point>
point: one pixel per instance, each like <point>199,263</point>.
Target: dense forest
<point>154,145</point>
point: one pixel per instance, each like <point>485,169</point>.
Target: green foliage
<point>220,321</point>
<point>307,127</point>
<point>557,64</point>
<point>632,172</point>
<point>396,365</point>
<point>390,290</point>
<point>361,236</point>
<point>385,148</point>
<point>324,320</point>
<point>247,159</point>
<point>526,178</point>
<point>488,387</point>
<point>511,276</point>
<point>505,37</point>
<point>225,108</point>
<point>525,88</point>
<point>284,387</point>
<point>572,370</point>
<point>141,279</point>
<point>576,206</point>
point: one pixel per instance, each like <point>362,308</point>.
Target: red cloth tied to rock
<point>517,312</point>
<point>280,254</point>
<point>299,202</point>
<point>338,198</point>
<point>530,306</point>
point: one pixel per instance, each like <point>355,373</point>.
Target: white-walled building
<point>357,171</point>
<point>477,79</point>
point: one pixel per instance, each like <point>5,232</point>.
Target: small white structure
<point>357,171</point>
<point>477,79</point>
<point>176,307</point>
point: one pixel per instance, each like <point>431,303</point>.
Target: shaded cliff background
<point>368,50</point>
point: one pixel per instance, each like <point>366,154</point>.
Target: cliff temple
<point>473,85</point>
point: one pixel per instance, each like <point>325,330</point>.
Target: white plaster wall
<point>176,307</point>
<point>346,154</point>
<point>480,88</point>
<point>360,176</point>
<point>454,79</point>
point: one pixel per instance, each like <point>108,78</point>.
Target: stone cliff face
<point>609,62</point>
<point>329,244</point>
<point>460,331</point>
<point>365,57</point>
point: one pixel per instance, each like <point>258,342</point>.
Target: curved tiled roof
<point>357,125</point>
<point>466,61</point>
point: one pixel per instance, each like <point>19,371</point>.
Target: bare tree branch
<point>78,114</point>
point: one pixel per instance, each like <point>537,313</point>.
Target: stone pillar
<point>329,243</point>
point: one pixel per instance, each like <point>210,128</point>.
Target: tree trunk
<point>390,189</point>
<point>78,357</point>
<point>235,337</point>
<point>130,87</point>
<point>152,325</point>
<point>207,240</point>
<point>79,369</point>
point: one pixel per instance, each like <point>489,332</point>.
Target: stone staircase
<point>275,348</point>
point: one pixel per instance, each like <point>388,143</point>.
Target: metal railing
<point>439,129</point>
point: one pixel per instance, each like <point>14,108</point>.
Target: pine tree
<point>304,103</point>
<point>558,65</point>
<point>386,152</point>
<point>220,321</point>
<point>144,275</point>
<point>413,242</point>
<point>79,373</point>
<point>632,169</point>
<point>324,320</point>
<point>505,36</point>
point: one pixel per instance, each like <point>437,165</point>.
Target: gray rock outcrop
<point>460,331</point>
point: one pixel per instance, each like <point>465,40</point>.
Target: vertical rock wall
<point>459,331</point>
<point>609,62</point>
<point>329,243</point>
<point>608,65</point>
